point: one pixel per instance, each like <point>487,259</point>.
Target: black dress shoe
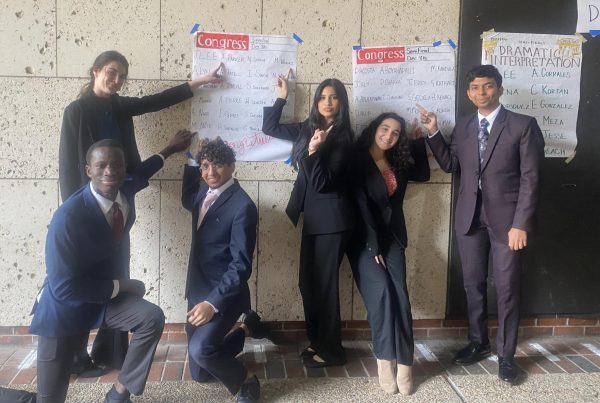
<point>310,362</point>
<point>115,397</point>
<point>249,392</point>
<point>471,354</point>
<point>83,367</point>
<point>258,330</point>
<point>307,352</point>
<point>507,370</point>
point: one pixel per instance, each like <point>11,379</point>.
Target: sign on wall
<point>396,78</point>
<point>541,78</point>
<point>233,110</point>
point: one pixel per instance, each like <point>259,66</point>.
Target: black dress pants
<point>386,298</point>
<point>474,248</point>
<point>320,259</point>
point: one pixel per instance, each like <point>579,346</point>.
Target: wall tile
<point>30,118</point>
<point>251,187</point>
<point>278,253</point>
<point>145,240</point>
<point>28,40</point>
<point>175,240</point>
<point>335,20</point>
<point>179,16</point>
<point>391,22</point>
<point>27,207</point>
<point>427,210</point>
<point>88,27</point>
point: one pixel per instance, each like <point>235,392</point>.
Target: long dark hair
<point>341,134</point>
<point>399,156</point>
<point>102,60</point>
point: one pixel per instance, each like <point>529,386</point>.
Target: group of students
<point>350,196</point>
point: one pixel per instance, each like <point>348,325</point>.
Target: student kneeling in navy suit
<point>224,222</point>
<point>87,252</point>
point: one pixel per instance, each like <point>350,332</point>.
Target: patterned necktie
<point>117,222</point>
<point>208,201</point>
<point>482,136</point>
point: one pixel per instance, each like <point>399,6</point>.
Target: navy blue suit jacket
<point>221,254</point>
<point>83,259</point>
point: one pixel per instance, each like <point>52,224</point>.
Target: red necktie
<point>118,224</point>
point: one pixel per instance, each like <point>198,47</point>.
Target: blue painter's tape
<point>195,28</point>
<point>288,161</point>
<point>595,32</point>
<point>437,43</point>
<point>297,38</point>
<point>451,43</point>
<point>356,47</point>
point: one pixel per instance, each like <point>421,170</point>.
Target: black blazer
<point>321,189</point>
<point>79,131</point>
<point>382,215</point>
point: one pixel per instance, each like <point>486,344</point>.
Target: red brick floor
<point>432,357</point>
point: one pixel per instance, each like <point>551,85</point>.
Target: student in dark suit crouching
<point>87,252</point>
<point>224,220</point>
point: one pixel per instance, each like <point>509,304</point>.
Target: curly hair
<point>217,151</point>
<point>398,156</point>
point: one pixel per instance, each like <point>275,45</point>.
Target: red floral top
<point>390,181</point>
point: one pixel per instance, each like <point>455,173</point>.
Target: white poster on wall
<point>588,15</point>
<point>396,78</point>
<point>541,78</point>
<point>233,109</point>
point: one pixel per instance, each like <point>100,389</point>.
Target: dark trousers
<point>110,347</point>
<point>212,349</point>
<point>320,259</point>
<point>16,396</point>
<point>126,312</point>
<point>385,295</point>
<point>474,249</point>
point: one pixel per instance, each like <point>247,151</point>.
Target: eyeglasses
<point>113,74</point>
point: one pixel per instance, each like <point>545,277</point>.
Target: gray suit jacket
<point>509,173</point>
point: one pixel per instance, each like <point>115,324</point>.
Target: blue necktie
<point>482,136</point>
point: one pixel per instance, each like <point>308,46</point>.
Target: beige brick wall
<point>47,45</point>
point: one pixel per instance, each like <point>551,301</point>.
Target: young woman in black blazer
<point>100,113</point>
<point>384,162</point>
<point>320,151</point>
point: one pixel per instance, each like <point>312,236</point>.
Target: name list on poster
<point>541,78</point>
<point>233,109</point>
<point>395,78</point>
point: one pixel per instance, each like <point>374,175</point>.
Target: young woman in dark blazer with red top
<point>101,113</point>
<point>384,162</point>
<point>321,146</point>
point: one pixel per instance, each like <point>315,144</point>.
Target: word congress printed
<point>233,109</point>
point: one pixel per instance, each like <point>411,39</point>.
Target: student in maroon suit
<point>498,154</point>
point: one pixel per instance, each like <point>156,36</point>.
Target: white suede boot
<point>404,379</point>
<point>386,370</point>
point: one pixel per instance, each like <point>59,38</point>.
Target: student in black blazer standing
<point>101,113</point>
<point>321,191</point>
<point>384,163</point>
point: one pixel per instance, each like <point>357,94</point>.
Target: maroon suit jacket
<point>509,173</point>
